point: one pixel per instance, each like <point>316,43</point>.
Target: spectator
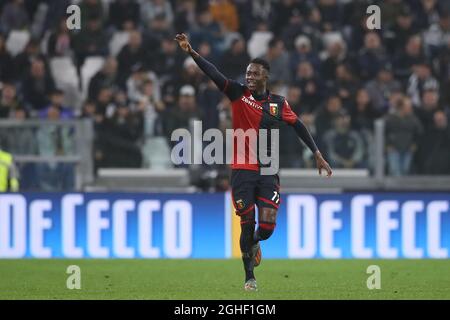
<point>56,102</point>
<point>208,52</point>
<point>438,34</point>
<point>159,28</point>
<point>363,113</point>
<point>334,55</point>
<point>259,39</point>
<point>88,110</point>
<point>91,41</point>
<point>55,140</point>
<point>135,85</point>
<point>6,62</point>
<point>124,14</point>
<point>8,101</point>
<point>345,84</point>
<point>427,13</point>
<point>106,77</point>
<point>131,54</point>
<point>420,80</point>
<point>185,111</point>
<point>325,117</point>
<point>55,11</point>
<point>119,98</point>
<point>397,35</point>
<point>278,59</point>
<point>345,147</point>
<point>185,16</point>
<point>310,85</point>
<point>14,16</point>
<point>391,9</point>
<point>22,62</point>
<point>303,52</point>
<point>434,148</point>
<point>153,8</point>
<point>235,60</point>
<point>259,10</point>
<point>330,13</point>
<point>89,9</point>
<point>168,60</point>
<point>60,41</point>
<point>282,12</point>
<point>190,74</point>
<point>294,96</point>
<point>151,109</point>
<point>442,63</point>
<point>104,102</point>
<point>371,57</point>
<point>311,27</point>
<point>403,130</point>
<point>225,13</point>
<point>394,99</point>
<point>381,88</point>
<point>206,29</point>
<point>428,107</point>
<point>356,25</point>
<point>119,139</point>
<point>293,30</point>
<point>37,86</point>
<point>444,68</point>
<point>21,140</point>
<point>410,56</point>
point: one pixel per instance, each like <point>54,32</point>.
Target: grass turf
<point>223,279</point>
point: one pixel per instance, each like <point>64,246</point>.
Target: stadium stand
<point>123,71</point>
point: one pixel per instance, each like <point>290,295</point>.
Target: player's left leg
<point>268,199</point>
<point>267,219</point>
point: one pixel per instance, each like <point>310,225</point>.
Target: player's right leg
<point>243,184</point>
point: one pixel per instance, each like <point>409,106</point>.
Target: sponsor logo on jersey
<point>251,103</point>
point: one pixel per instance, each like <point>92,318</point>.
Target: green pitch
<point>223,279</point>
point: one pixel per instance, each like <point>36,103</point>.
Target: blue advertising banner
<point>350,225</point>
<point>140,225</point>
<point>112,225</point>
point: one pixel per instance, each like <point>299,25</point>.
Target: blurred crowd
<point>337,75</point>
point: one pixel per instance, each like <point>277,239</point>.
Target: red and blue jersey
<point>250,112</point>
<point>254,112</point>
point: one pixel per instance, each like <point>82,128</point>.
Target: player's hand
<point>322,164</point>
<point>183,42</point>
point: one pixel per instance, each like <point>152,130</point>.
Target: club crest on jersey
<point>240,204</point>
<point>273,109</point>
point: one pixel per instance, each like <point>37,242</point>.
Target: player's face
<point>256,77</point>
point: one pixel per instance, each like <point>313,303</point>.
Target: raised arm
<point>207,67</point>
